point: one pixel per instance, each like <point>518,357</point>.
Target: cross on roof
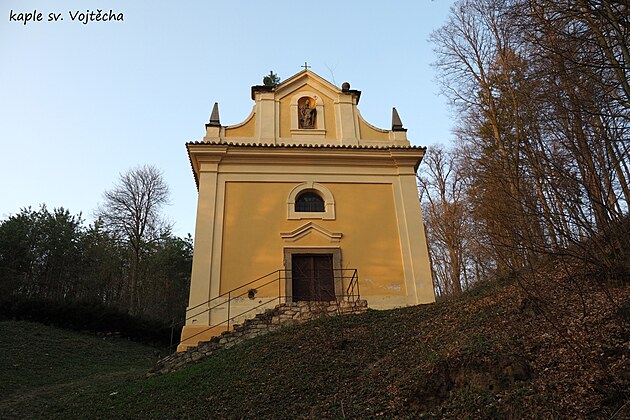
<point>306,66</point>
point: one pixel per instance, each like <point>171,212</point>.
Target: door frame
<point>288,262</point>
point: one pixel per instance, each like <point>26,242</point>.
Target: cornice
<point>311,155</point>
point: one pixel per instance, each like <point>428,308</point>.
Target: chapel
<point>303,201</point>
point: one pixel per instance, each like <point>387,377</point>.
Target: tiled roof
<point>309,146</point>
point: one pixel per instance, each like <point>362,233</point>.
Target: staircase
<point>284,314</point>
<point>234,306</point>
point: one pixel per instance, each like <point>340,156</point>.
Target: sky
<point>82,103</point>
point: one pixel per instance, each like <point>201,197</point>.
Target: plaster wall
<point>256,214</point>
<point>246,129</point>
<point>368,131</point>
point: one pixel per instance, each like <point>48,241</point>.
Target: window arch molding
<point>319,189</point>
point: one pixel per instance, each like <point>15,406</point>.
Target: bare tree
<point>541,89</point>
<point>132,211</point>
<point>444,210</point>
<point>479,70</point>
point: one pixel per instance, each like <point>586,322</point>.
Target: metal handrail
<point>354,282</point>
<point>280,274</point>
<point>230,298</point>
<point>243,285</point>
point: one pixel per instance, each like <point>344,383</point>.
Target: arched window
<point>309,202</point>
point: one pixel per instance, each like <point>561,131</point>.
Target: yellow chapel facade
<point>303,201</point>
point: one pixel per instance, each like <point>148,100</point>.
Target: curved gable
<point>305,109</point>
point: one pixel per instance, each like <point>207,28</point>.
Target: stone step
<point>285,314</point>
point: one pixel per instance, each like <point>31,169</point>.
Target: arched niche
<point>315,103</point>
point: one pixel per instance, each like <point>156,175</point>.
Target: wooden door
<point>313,277</point>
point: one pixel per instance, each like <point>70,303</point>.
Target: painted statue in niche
<point>306,113</point>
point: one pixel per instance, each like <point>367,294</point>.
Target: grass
<point>479,356</point>
<point>42,368</point>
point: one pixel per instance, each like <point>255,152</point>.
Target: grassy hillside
<point>43,367</point>
<point>551,345</point>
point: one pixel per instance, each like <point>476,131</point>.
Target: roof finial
<point>306,66</point>
<point>214,117</point>
<point>396,123</point>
